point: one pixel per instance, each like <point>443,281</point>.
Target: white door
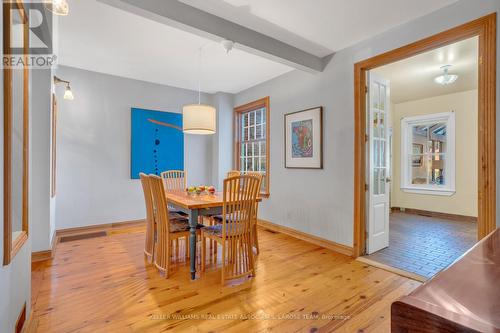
<point>379,163</point>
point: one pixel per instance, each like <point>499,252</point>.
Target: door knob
<point>387,179</point>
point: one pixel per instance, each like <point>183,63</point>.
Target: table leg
<point>193,222</point>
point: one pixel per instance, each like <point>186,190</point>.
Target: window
<point>252,140</point>
<point>428,154</point>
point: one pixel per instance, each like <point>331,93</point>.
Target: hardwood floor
<point>103,284</point>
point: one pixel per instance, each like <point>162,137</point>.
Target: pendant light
<point>446,78</point>
<point>58,7</point>
<point>199,118</point>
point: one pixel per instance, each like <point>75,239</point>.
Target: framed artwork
<point>157,142</point>
<point>304,139</point>
<point>418,149</point>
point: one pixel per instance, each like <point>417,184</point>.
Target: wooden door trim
<point>485,29</point>
<point>12,247</point>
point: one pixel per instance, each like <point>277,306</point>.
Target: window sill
<point>428,191</point>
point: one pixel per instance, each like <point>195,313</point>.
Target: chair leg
<point>251,261</point>
<point>203,250</point>
<point>223,277</point>
<point>168,260</point>
<point>256,238</point>
<point>215,250</point>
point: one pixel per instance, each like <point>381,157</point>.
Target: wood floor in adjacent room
<point>104,284</point>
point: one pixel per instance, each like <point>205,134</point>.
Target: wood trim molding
<point>327,244</point>
<point>48,254</point>
<point>98,227</point>
<point>439,215</point>
<point>31,323</point>
<point>11,247</point>
<point>391,269</point>
<point>485,29</point>
<point>53,169</point>
<point>260,103</point>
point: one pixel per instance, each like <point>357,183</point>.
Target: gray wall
<point>93,146</point>
<point>223,139</point>
<point>320,202</point>
<point>15,279</point>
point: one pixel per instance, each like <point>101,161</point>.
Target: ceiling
<point>101,38</point>
<point>320,26</point>
<point>413,78</point>
<point>98,37</point>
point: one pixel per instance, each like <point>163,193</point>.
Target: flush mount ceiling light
<point>227,45</point>
<point>199,118</point>
<point>68,93</point>
<point>446,78</point>
<point>58,7</point>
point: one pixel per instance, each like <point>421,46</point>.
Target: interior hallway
<point>425,245</point>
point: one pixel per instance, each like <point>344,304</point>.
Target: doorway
<point>485,30</point>
<point>422,159</point>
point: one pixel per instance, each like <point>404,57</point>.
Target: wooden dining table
<point>195,205</point>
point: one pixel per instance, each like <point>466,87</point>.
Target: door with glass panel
<point>379,163</point>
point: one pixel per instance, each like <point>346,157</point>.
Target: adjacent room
<point>424,156</point>
<point>249,166</point>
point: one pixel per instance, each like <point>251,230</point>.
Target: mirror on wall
<point>15,131</point>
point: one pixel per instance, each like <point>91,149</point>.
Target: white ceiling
<point>98,37</point>
<point>319,27</point>
<point>101,38</point>
<point>413,78</point>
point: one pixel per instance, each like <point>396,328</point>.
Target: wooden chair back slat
<point>149,246</point>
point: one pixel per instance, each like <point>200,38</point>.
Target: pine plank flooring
<point>104,284</point>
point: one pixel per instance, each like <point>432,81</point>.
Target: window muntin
<point>428,154</point>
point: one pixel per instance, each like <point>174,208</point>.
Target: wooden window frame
<point>11,247</point>
<point>238,111</point>
<point>485,28</point>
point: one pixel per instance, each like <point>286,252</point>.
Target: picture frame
<point>417,149</point>
<point>304,139</point>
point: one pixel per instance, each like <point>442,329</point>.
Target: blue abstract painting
<point>157,142</point>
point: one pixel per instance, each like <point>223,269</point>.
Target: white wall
<point>320,202</point>
<point>464,200</point>
<point>93,146</point>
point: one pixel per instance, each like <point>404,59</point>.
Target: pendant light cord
<point>199,76</point>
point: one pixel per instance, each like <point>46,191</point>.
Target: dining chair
<point>174,180</point>
<point>260,176</point>
<point>235,232</point>
<point>169,229</point>
<point>218,218</point>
